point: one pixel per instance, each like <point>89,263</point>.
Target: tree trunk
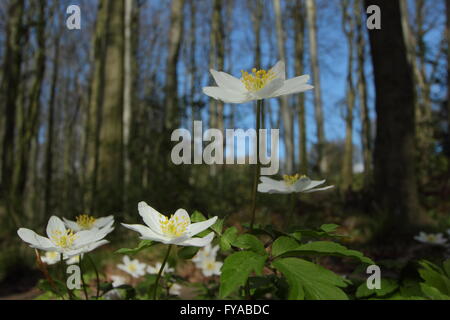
<point>285,111</point>
<point>176,30</point>
<point>111,169</point>
<point>394,154</point>
<point>347,163</point>
<point>312,27</point>
<point>10,91</point>
<point>366,132</point>
<point>299,18</point>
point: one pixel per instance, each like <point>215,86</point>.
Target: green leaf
<point>434,277</point>
<point>142,245</point>
<point>310,281</point>
<point>236,270</point>
<point>197,217</point>
<point>218,226</point>
<point>249,242</point>
<point>227,238</point>
<point>433,293</point>
<point>388,286</point>
<point>329,227</point>
<point>327,248</point>
<point>187,253</point>
<point>283,245</point>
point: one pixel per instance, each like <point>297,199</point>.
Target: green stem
<point>64,272</point>
<point>259,105</point>
<point>96,275</point>
<point>291,201</point>
<point>155,291</point>
<point>82,279</point>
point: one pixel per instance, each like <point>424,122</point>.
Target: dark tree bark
<point>10,91</point>
<point>394,165</point>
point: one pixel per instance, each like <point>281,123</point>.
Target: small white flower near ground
<point>133,267</point>
<point>175,289</point>
<point>155,269</point>
<point>51,257</point>
<point>431,238</point>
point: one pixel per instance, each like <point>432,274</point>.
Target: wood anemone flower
<point>64,241</point>
<point>291,184</point>
<point>87,222</point>
<point>177,229</point>
<point>260,84</point>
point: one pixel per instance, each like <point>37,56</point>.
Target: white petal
<point>35,240</point>
<point>279,70</point>
<point>182,214</point>
<point>226,95</point>
<point>86,237</point>
<point>294,85</point>
<point>72,225</point>
<point>198,242</point>
<point>150,216</point>
<point>307,185</point>
<point>198,227</point>
<point>101,222</point>
<point>227,81</point>
<point>55,224</point>
<point>146,232</point>
<point>269,89</point>
<point>302,184</point>
<point>269,185</point>
<point>319,189</point>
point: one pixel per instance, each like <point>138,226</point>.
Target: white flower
<point>431,238</point>
<point>133,267</point>
<point>211,267</point>
<point>175,289</point>
<point>177,230</point>
<point>260,84</point>
<point>115,294</point>
<point>155,269</point>
<point>87,222</point>
<point>74,260</point>
<point>291,184</point>
<point>64,240</point>
<point>207,252</point>
<point>51,257</point>
<point>118,281</point>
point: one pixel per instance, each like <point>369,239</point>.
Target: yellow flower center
<point>210,266</point>
<point>431,238</point>
<point>64,240</point>
<point>85,221</point>
<point>290,180</point>
<point>52,255</point>
<point>257,79</point>
<point>132,267</point>
<point>174,227</point>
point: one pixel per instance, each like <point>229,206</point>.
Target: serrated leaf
<point>310,281</point>
<point>249,242</point>
<point>237,268</point>
<point>327,248</point>
<point>433,293</point>
<point>227,238</point>
<point>197,216</point>
<point>218,226</point>
<point>283,245</point>
<point>142,245</point>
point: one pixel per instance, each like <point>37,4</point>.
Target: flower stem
<point>82,279</point>
<point>96,276</point>
<point>291,201</point>
<point>65,275</point>
<point>158,277</point>
<point>259,105</point>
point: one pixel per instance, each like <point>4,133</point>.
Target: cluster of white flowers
<point>137,269</point>
<point>433,238</point>
<point>205,260</point>
<point>69,239</point>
